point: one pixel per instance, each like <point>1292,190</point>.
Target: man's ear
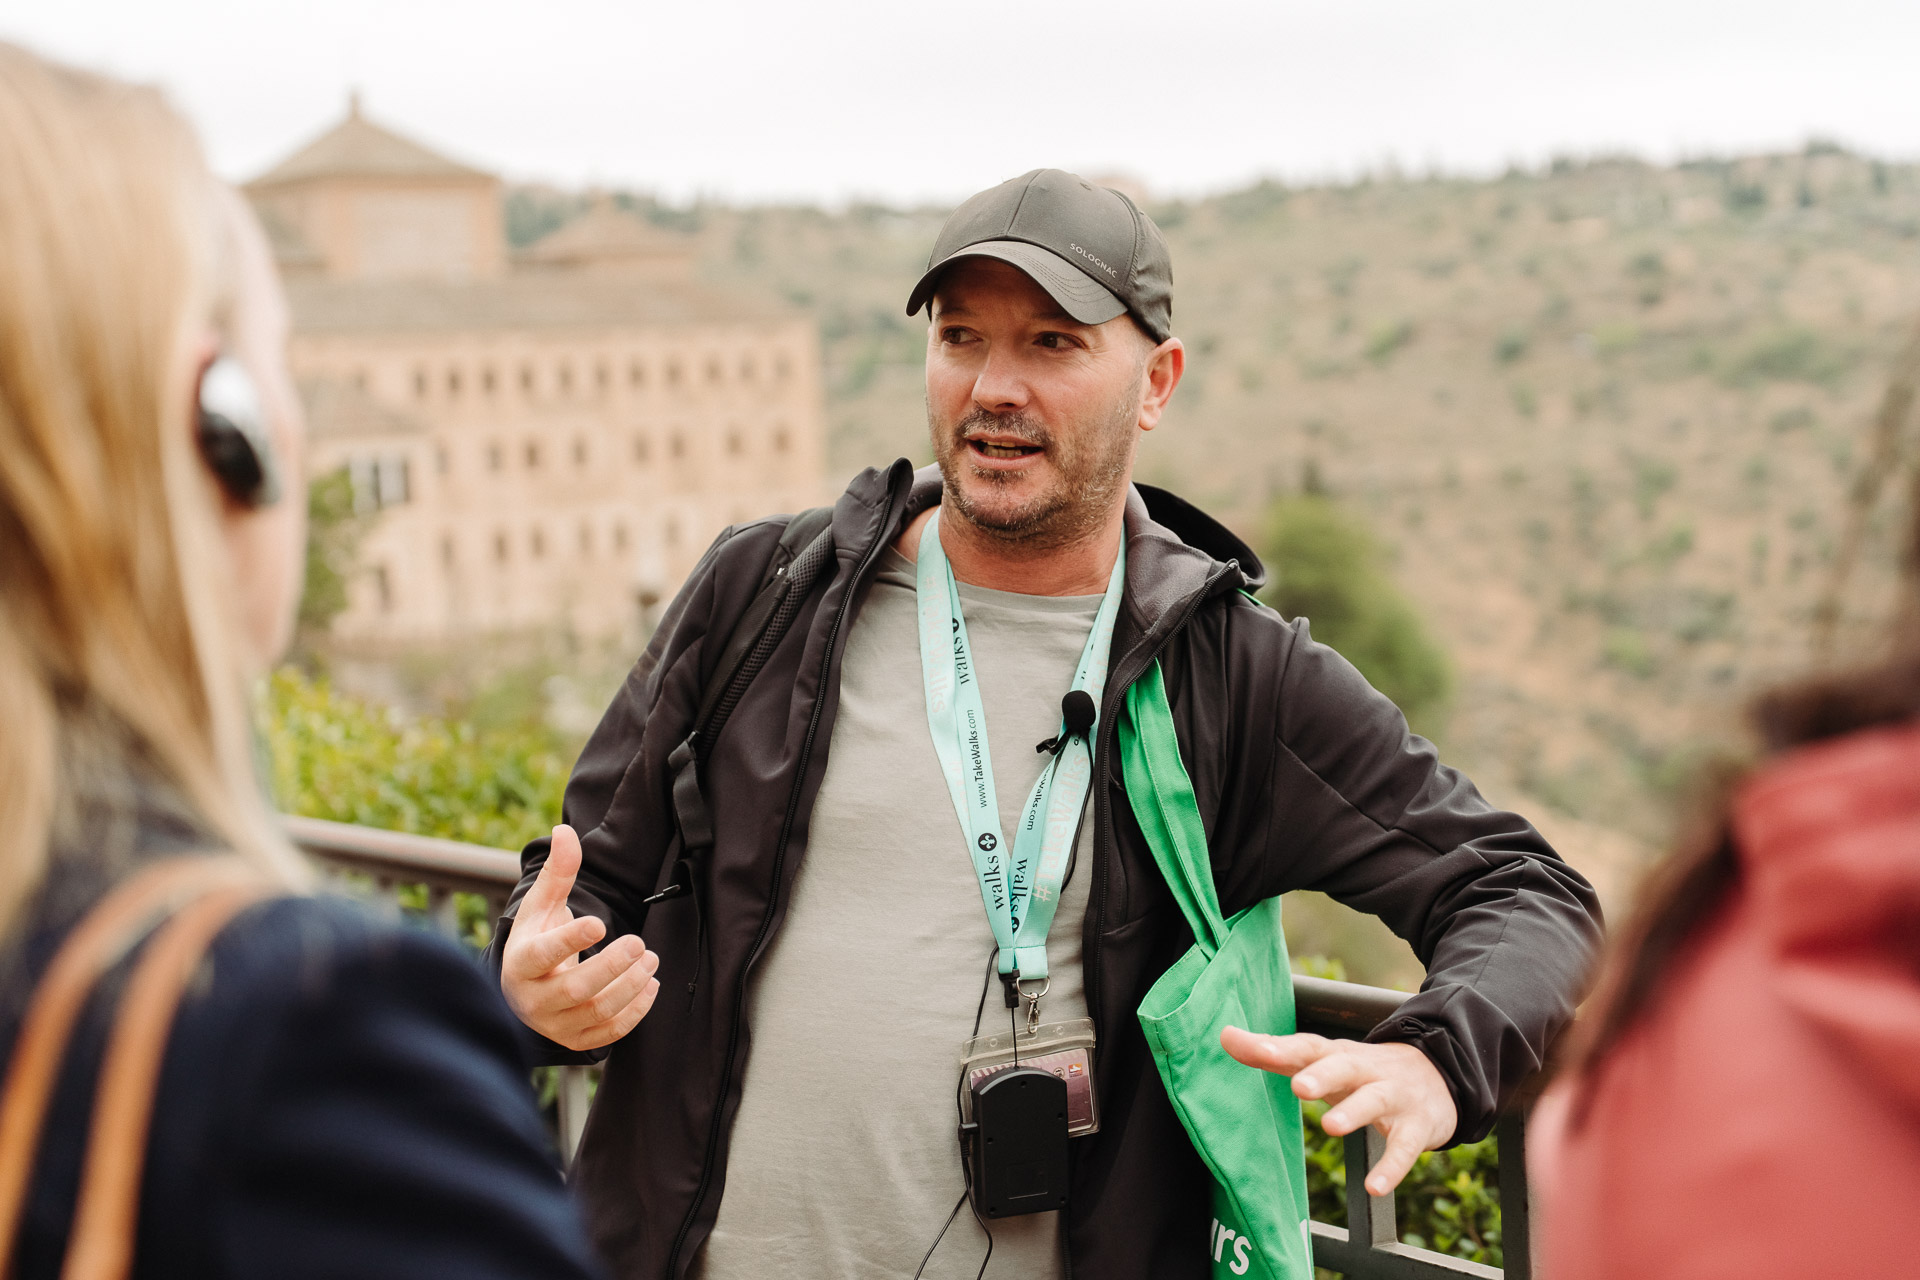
<point>1161,372</point>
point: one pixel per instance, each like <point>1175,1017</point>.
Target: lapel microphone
<point>1078,711</point>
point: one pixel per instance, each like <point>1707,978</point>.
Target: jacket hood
<point>1829,841</point>
<point>1202,532</point>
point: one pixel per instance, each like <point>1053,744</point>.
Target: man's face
<point>1034,416</point>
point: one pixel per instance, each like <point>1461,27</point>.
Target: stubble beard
<point>1073,508</point>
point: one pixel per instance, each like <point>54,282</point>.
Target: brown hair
<point>113,268</point>
<point>1683,894</point>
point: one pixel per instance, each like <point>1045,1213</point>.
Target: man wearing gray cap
<point>862,792</point>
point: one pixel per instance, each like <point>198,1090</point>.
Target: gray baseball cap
<point>1089,247</point>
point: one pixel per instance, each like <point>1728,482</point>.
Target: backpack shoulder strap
<point>804,551</point>
<point>189,900</point>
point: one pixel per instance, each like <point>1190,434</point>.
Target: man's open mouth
<point>1002,449</point>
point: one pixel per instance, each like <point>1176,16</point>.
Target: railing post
<point>1516,1199</point>
<point>1370,1219</point>
<point>443,912</point>
<point>571,1099</point>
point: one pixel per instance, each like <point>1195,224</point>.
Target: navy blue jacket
<point>341,1096</point>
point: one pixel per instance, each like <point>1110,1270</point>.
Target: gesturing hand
<point>1393,1087</point>
<point>580,1004</point>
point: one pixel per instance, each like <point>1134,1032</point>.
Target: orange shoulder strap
<point>190,900</point>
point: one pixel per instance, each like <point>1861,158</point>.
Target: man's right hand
<point>579,1004</point>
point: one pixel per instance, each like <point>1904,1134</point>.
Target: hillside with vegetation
<point>1601,420</point>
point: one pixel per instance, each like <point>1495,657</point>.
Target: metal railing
<point>1367,1248</point>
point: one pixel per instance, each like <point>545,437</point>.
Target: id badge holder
<point>1062,1049</point>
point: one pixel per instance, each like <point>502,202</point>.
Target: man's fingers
<point>584,986</point>
<point>1284,1055</point>
<point>555,881</point>
<point>534,955</point>
<point>617,1026</point>
<point>1366,1105</point>
<point>1333,1076</point>
<point>1402,1150</point>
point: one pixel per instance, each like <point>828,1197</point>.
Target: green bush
<point>333,535</point>
<point>1791,355</point>
<point>1326,567</point>
<point>1449,1202</point>
<point>1389,338</point>
<point>337,757</point>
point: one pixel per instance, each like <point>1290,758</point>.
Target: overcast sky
<point>837,99</point>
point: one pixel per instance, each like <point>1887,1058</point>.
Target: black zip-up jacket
<point>1306,777</point>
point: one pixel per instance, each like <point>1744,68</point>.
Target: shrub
<point>1791,355</point>
<point>333,536</point>
<point>336,757</point>
<point>1328,568</point>
<point>1626,649</point>
<point>1389,338</point>
<point>1511,346</point>
<point>1449,1202</point>
<point>1652,477</point>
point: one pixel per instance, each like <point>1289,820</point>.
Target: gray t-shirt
<point>844,1160</point>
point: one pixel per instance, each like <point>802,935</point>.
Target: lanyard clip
<point>1010,984</point>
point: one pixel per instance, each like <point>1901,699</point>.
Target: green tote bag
<point>1245,1123</point>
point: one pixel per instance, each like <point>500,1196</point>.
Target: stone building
<point>549,437</point>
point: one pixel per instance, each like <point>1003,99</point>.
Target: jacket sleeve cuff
<point>1472,1108</point>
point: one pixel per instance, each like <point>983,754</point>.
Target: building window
<point>714,372</point>
<point>526,378</point>
<point>379,482</point>
<point>781,368</point>
<point>383,588</point>
<point>487,379</point>
<point>395,480</point>
<point>566,379</point>
<point>735,445</point>
<point>579,451</point>
<point>453,382</point>
<point>420,383</point>
<point>359,379</point>
<point>496,456</point>
<point>586,539</point>
<point>636,374</point>
<point>640,450</point>
<point>780,440</point>
<point>600,375</point>
<point>537,543</point>
<point>746,369</point>
<point>677,446</point>
<point>446,550</point>
<point>673,373</point>
<point>533,455</point>
<point>442,462</point>
<point>619,537</point>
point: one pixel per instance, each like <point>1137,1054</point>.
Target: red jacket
<point>1764,1119</point>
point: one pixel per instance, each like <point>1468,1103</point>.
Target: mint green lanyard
<point>1021,893</point>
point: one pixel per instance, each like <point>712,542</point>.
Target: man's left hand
<point>1394,1087</point>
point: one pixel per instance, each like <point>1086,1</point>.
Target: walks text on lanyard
<point>1020,892</point>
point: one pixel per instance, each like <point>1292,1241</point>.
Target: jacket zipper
<point>773,906</point>
<point>1097,899</point>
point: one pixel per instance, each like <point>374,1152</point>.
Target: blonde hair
<point>114,265</point>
